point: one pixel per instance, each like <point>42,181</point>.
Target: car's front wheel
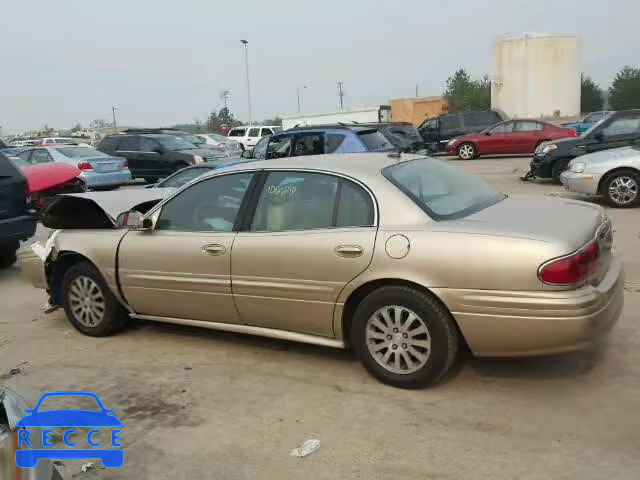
<point>404,337</point>
<point>88,302</point>
<point>559,166</point>
<point>621,189</point>
<point>467,151</point>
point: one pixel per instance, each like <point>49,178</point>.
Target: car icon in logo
<point>27,456</point>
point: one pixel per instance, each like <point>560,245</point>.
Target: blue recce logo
<point>27,456</point>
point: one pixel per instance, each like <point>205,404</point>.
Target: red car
<point>510,137</point>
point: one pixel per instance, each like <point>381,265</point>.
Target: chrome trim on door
<point>214,249</point>
<point>260,331</point>
<point>349,250</point>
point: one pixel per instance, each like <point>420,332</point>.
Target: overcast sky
<point>165,62</point>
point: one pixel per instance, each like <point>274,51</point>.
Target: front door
<point>182,268</point>
<point>499,140</point>
<point>623,130</point>
<point>253,136</point>
<point>310,235</point>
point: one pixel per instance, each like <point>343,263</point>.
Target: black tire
<point>8,254</point>
<point>559,166</point>
<point>115,316</point>
<point>465,147</point>
<point>438,321</point>
<point>629,177</point>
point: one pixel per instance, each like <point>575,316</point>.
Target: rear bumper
<point>106,179</point>
<point>503,323</point>
<point>580,182</point>
<point>18,228</point>
<point>32,268</point>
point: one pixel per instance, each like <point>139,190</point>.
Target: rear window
<point>79,152</point>
<point>442,191</point>
<point>237,132</point>
<point>374,140</point>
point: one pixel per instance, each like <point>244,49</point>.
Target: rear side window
<point>333,142</point>
<point>40,156</point>
<point>237,132</point>
<point>374,140</point>
<point>355,208</point>
<point>254,132</point>
<point>266,131</point>
<point>310,144</point>
<point>130,144</point>
<point>449,122</point>
<point>479,119</point>
<point>109,143</point>
<point>527,126</point>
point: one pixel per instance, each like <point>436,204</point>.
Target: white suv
<point>248,135</point>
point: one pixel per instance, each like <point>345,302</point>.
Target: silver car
<point>232,147</point>
<point>613,174</point>
<point>99,170</point>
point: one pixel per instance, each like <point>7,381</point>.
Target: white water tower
<point>536,75</point>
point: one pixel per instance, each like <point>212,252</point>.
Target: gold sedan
<point>405,258</point>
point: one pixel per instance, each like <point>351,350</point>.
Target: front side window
<point>129,144</point>
<point>594,117</point>
<point>280,146</point>
<point>260,150</point>
<point>309,144</point>
<point>295,201</point>
<point>266,131</point>
<point>626,125</point>
<point>208,206</point>
<point>431,124</point>
<point>441,190</point>
<point>449,122</point>
<point>40,156</point>
<point>506,127</point>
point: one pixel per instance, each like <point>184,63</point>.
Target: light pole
<point>246,66</point>
<point>113,110</point>
<point>299,90</point>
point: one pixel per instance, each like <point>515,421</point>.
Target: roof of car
<point>331,126</point>
<point>351,164</point>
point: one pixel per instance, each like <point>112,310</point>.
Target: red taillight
<point>84,166</point>
<point>572,132</point>
<point>572,269</point>
<point>125,164</point>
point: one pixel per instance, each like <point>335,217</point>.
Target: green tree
<point>464,94</point>
<point>591,98</point>
<point>625,89</point>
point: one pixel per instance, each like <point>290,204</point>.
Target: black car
<point>157,155</point>
<point>17,219</point>
<point>438,131</point>
<point>403,136</point>
<point>621,129</point>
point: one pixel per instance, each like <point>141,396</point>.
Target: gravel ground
<point>211,405</point>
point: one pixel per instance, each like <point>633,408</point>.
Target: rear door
<point>129,148</point>
<point>621,131</point>
<point>308,143</point>
<point>525,137</point>
<point>13,189</point>
<point>310,235</point>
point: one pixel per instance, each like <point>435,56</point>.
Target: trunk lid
<point>105,164</point>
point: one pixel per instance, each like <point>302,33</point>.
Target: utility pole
<point>113,111</point>
<point>246,66</point>
<point>299,90</point>
<point>341,94</point>
<point>416,90</point>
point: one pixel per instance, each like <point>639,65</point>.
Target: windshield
<point>80,152</point>
<point>175,143</point>
<point>442,191</point>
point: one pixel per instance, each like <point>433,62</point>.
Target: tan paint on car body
<point>483,267</point>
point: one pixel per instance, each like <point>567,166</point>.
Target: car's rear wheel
<point>467,151</point>
<point>622,189</point>
<point>404,337</point>
<point>8,253</point>
<point>88,302</point>
<point>559,166</point>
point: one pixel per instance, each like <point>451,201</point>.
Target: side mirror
<point>246,154</point>
<point>134,220</point>
<point>488,134</point>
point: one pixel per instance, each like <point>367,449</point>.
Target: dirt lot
<point>204,404</point>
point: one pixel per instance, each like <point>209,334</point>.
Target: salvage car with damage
<point>405,258</point>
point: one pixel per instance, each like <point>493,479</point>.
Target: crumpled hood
<point>100,209</point>
<point>44,176</point>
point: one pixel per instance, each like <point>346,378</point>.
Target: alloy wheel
<point>466,151</point>
<point>623,190</point>
<point>398,339</point>
<point>86,301</point>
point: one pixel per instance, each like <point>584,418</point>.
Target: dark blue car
<point>319,140</point>
<point>69,418</point>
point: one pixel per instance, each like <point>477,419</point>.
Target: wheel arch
<point>611,172</point>
<point>470,142</point>
<point>360,293</point>
<point>56,270</point>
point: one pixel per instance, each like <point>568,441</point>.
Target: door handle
<point>214,249</point>
<point>349,250</point>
